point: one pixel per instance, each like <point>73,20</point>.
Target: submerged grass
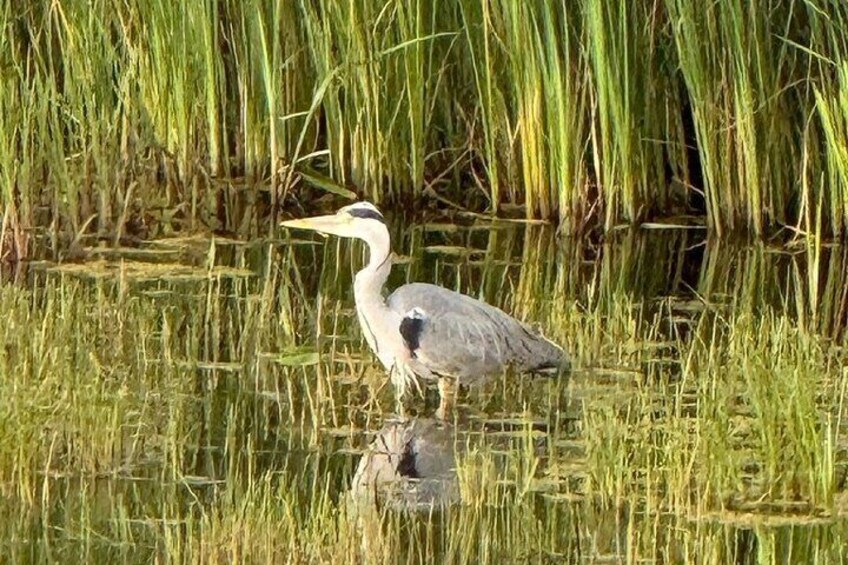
<point>218,416</point>
<point>124,118</point>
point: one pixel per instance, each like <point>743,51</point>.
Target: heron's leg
<point>447,397</point>
<point>400,407</point>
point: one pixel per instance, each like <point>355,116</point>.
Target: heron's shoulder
<point>428,297</point>
<point>414,291</point>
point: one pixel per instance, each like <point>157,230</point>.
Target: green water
<point>209,400</point>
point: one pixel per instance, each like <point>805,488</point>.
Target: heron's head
<point>361,220</point>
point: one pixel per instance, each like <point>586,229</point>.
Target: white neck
<point>369,281</point>
<point>379,324</point>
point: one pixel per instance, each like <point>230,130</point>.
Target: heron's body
<point>425,331</point>
<point>465,338</point>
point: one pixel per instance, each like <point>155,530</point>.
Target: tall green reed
<point>579,112</point>
<point>636,109</point>
<point>826,184</point>
<point>531,95</point>
<point>382,64</point>
<point>741,79</point>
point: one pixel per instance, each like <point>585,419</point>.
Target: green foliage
<point>590,113</point>
<point>827,199</point>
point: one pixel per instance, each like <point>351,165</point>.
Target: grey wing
<point>456,335</point>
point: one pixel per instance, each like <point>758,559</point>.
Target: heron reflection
<point>410,464</point>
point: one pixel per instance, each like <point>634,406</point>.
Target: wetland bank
<point>181,381</point>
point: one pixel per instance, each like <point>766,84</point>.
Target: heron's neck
<point>379,324</point>
<point>368,286</point>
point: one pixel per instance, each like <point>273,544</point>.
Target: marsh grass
<point>383,65</point>
<point>635,106</point>
<point>217,414</point>
<point>152,118</point>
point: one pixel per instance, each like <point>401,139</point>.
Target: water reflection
<point>182,391</point>
<point>410,464</point>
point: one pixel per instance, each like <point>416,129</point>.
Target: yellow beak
<point>331,224</point>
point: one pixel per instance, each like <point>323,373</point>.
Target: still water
<point>204,399</point>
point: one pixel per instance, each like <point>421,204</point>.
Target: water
<point>207,399</point>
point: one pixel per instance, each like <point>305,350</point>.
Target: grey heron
<point>423,331</point>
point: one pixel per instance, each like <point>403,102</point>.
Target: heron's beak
<point>330,224</point>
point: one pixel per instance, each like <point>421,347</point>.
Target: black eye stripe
<point>366,213</point>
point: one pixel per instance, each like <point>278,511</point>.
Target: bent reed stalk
<point>118,114</point>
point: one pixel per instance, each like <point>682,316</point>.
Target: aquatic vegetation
<point>137,119</point>
<point>165,407</point>
<point>173,396</point>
